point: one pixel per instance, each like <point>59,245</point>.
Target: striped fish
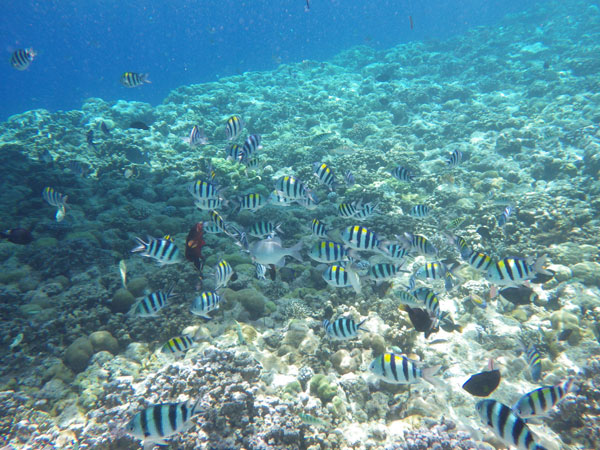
<point>178,345</point>
<point>503,218</point>
<point>398,369</point>
<point>402,174</point>
<point>406,298</point>
<point>22,58</point>
<point>535,362</point>
<point>349,179</point>
<point>349,209</point>
<point>430,300</point>
<point>233,152</point>
<point>328,251</point>
<point>541,400</point>
<point>318,228</point>
<point>432,270</point>
<point>254,163</point>
<point>132,79</point>
<point>383,271</point>
<point>263,229</point>
<point>395,251</point>
<point>368,210</point>
<point>338,276</point>
<point>462,246</point>
<point>361,238</point>
<point>477,260</point>
<point>250,147</point>
<point>223,273</point>
<point>515,271</point>
<point>251,202</point>
<point>218,221</point>
<point>210,203</point>
<point>233,127</point>
<point>291,187</point>
<point>163,251</point>
<point>477,300</point>
<point>280,200</point>
<point>206,302</point>
<point>158,422</point>
<point>343,328</point>
<point>325,175</point>
<point>211,228</point>
<point>151,304</point>
<point>455,223</point>
<point>507,425</point>
<point>418,244</point>
<point>311,420</point>
<point>203,190</point>
<point>454,159</point>
<point>196,137</point>
<point>419,211</point>
<point>54,198</point>
<point>261,271</point>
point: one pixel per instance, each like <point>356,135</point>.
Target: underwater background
<point>312,225</point>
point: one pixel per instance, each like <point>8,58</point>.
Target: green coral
<point>122,301</point>
<point>252,301</point>
<point>322,387</point>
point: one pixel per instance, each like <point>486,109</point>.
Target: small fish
<point>196,137</point>
<point>521,295</point>
<point>178,345</point>
<point>104,129</point>
<point>338,276</point>
<point>361,238</point>
<point>402,174</point>
<point>251,202</point>
<point>435,270</point>
<point>419,211</point>
<point>395,252</point>
<point>455,158</point>
<point>203,190</point>
<point>209,204</point>
<point>430,300</point>
<point>132,79</point>
<point>16,341</point>
<point>270,251</point>
<point>477,260</point>
<point>19,236</point>
<point>535,362</point>
<point>477,300</point>
<point>233,152</point>
<point>158,422</point>
<point>541,400</point>
<point>349,179</point>
<point>151,304</point>
<point>515,271</point>
<point>216,219</point>
<point>318,228</point>
<point>54,198</point>
<point>263,229</point>
<point>418,244</point>
<point>89,138</point>
<point>307,418</point>
<point>507,425</point>
<point>61,212</point>
<point>291,187</point>
<point>138,125</point>
<point>250,147</point>
<point>162,250</point>
<point>410,21</point>
<point>76,168</point>
<point>206,302</point>
<point>483,383</point>
<point>211,228</point>
<point>406,298</point>
<point>398,369</point>
<point>279,200</point>
<point>21,59</point>
<point>383,271</point>
<point>343,328</point>
<point>123,272</point>
<point>422,321</point>
<point>503,218</point>
<point>223,273</point>
<point>455,223</point>
<point>261,271</point>
<point>233,127</point>
<point>325,175</point>
<point>240,333</point>
<point>328,252</point>
<point>349,209</point>
<point>368,210</point>
<point>254,163</point>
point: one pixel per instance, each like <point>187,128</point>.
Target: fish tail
<point>141,247</point>
<point>145,78</point>
<point>295,251</point>
<point>429,372</point>
<point>359,326</point>
<point>354,280</point>
<point>538,266</point>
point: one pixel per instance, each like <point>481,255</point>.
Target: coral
<point>78,354</point>
<point>252,300</point>
<point>103,340</point>
<point>122,300</point>
<point>321,386</point>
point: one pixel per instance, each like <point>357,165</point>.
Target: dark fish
<point>104,129</point>
<point>410,20</point>
<point>89,137</point>
<point>421,320</point>
<point>139,125</point>
<point>521,295</point>
<point>22,58</point>
<point>19,236</point>
<point>541,278</point>
<point>132,79</point>
<point>483,384</point>
<point>193,246</point>
<point>447,324</point>
<point>136,156</point>
<point>484,232</point>
<point>307,7</point>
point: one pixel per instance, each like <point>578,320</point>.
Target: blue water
<point>83,46</point>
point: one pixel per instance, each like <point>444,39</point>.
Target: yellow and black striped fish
<point>133,79</point>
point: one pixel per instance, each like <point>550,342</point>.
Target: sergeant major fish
<point>343,328</point>
<point>264,229</point>
<point>206,302</point>
<point>151,304</point>
<point>133,79</point>
<point>338,276</point>
<point>196,137</point>
<point>223,273</point>
<point>233,127</point>
<point>515,271</point>
<point>541,400</point>
<point>21,59</point>
<point>329,251</point>
<point>178,345</point>
<point>325,175</point>
<point>162,250</point>
<point>250,147</point>
<point>398,369</point>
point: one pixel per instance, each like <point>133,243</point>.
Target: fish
<point>76,168</point>
<point>136,156</point>
<point>541,400</point>
<point>349,179</point>
<point>515,271</point>
<point>325,175</point>
<point>384,271</point>
<point>264,229</point>
<point>21,59</point>
<point>430,301</point>
<point>193,245</point>
<point>234,127</point>
<point>206,302</point>
<point>261,271</point>
<point>307,418</point>
<point>162,250</point>
<point>251,202</point>
<point>254,163</point>
<point>432,270</point>
<point>477,300</point>
<point>291,187</point>
<point>454,159</point>
<point>233,152</point>
<point>270,251</point>
<point>419,211</point>
<point>406,298</point>
<point>521,295</point>
<point>19,236</point>
<point>89,138</point>
<point>402,174</point>
<point>240,333</point>
<point>418,244</point>
<point>208,204</point>
<point>410,21</point>
<point>123,272</point>
<point>477,260</point>
<point>361,238</point>
<point>338,276</point>
<point>318,228</point>
<point>535,362</point>
<point>178,345</point>
<point>133,79</point>
<point>54,198</point>
<point>157,422</point>
<point>395,252</point>
<point>223,273</point>
<point>104,129</point>
<point>507,425</point>
<point>61,212</point>
<point>343,328</point>
<point>503,218</point>
<point>275,198</point>
<point>455,223</point>
<point>219,222</point>
<point>398,369</point>
<point>203,190</point>
<point>368,210</point>
<point>138,125</point>
<point>196,137</point>
<point>349,209</point>
<point>250,147</point>
<point>483,383</point>
<point>328,251</point>
<point>421,320</point>
<point>16,341</point>
<point>151,304</point>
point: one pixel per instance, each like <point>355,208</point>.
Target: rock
<point>588,272</point>
<point>122,301</point>
<point>343,362</point>
<point>77,355</point>
<point>103,340</point>
<point>137,286</point>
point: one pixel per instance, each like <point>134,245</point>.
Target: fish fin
<point>354,280</point>
<point>359,326</point>
<point>280,262</point>
<point>538,266</point>
<point>428,375</point>
<point>295,251</point>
